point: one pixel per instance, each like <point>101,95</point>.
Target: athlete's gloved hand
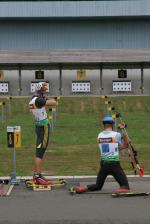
<point>122,125</point>
<point>57,100</point>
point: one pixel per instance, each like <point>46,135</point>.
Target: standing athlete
<point>109,142</point>
<point>38,105</point>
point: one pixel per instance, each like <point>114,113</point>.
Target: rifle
<point>132,152</point>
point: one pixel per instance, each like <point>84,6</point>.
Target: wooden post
<point>60,80</point>
<point>20,86</point>
<point>142,79</point>
<point>101,80</point>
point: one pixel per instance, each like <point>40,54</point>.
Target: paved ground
<point>58,206</point>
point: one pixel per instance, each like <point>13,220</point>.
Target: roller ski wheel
<point>72,191</point>
<point>4,182</point>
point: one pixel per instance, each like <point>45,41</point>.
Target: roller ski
<point>130,194</point>
<point>121,192</point>
<point>41,183</point>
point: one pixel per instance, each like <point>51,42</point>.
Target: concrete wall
<point>75,34</point>
<point>73,9</point>
<point>69,75</point>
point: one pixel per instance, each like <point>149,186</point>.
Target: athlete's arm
<point>125,142</point>
<point>123,145</point>
<point>41,102</point>
<point>51,102</point>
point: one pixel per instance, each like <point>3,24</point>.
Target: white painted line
<point>10,189</point>
<point>69,177</point>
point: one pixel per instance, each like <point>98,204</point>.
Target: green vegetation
<point>73,149</point>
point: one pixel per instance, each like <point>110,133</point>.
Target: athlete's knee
<point>40,153</point>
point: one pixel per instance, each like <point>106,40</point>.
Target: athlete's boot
<point>46,179</point>
<point>122,190</point>
<point>80,189</point>
<point>41,180</point>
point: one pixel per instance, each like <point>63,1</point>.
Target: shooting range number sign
<point>39,74</point>
<point>122,74</point>
<point>14,136</point>
<point>81,74</point>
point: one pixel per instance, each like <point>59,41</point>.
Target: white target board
<point>122,86</point>
<point>4,87</point>
<point>81,86</point>
<point>33,86</point>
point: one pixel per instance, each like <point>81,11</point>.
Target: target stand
<point>14,142</point>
